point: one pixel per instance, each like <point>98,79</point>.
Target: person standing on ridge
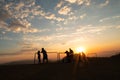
<point>45,56</point>
<point>71,54</point>
<point>39,57</point>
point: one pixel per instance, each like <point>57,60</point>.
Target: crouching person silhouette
<point>68,57</point>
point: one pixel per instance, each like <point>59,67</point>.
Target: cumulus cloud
<point>79,2</point>
<point>53,17</point>
<point>14,16</point>
<point>59,4</point>
<point>64,10</point>
<point>4,15</point>
<point>83,16</point>
<point>71,1</point>
<point>85,2</point>
<point>19,6</point>
<point>88,2</point>
<point>73,18</point>
<point>104,4</point>
<point>59,19</point>
<point>17,25</point>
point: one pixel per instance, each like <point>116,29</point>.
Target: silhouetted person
<point>71,54</point>
<point>84,58</point>
<point>45,56</point>
<point>39,57</point>
<point>71,51</point>
<point>80,57</point>
<point>68,56</point>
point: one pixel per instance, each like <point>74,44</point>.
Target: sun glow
<point>80,49</point>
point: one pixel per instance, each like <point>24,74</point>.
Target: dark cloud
<point>14,15</point>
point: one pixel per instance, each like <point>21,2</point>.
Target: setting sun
<point>80,49</point>
<point>88,26</point>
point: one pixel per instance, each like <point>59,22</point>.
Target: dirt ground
<point>95,69</point>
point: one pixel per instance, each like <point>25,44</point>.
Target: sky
<point>57,25</point>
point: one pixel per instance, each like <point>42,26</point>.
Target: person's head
<point>38,51</point>
<point>42,48</point>
<point>70,49</point>
<point>66,51</point>
<point>82,53</point>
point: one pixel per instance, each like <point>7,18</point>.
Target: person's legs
<point>43,60</point>
<point>39,60</point>
<point>47,60</point>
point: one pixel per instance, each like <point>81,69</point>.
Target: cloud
<point>37,38</point>
<point>3,32</point>
<point>18,26</point>
<point>4,15</point>
<point>104,19</point>
<point>5,38</point>
<point>72,18</point>
<point>71,1</point>
<point>116,17</point>
<point>14,16</point>
<point>19,6</point>
<point>64,10</point>
<point>59,4</point>
<point>53,17</point>
<point>83,16</point>
<point>109,18</point>
<point>79,2</point>
<point>104,4</point>
<point>61,28</point>
<point>118,26</point>
<point>27,46</point>
<point>59,19</point>
<point>90,29</point>
<point>88,2</point>
<point>3,25</point>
